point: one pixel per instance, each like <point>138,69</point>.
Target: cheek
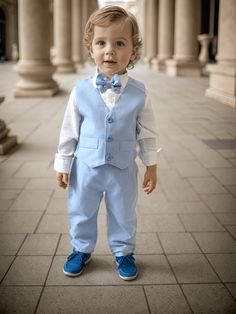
<point>125,56</point>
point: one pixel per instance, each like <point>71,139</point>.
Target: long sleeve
<point>68,136</point>
<point>147,135</point>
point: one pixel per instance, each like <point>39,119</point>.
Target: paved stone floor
<point>186,240</point>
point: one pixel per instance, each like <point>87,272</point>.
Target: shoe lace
<point>79,255</point>
<point>126,260</point>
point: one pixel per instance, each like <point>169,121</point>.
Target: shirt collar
<point>123,80</point>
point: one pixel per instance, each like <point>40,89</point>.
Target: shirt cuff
<point>62,164</point>
<point>149,158</point>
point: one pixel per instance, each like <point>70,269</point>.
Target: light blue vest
<point>108,137</point>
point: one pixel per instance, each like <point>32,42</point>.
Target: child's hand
<point>150,179</point>
<point>62,179</point>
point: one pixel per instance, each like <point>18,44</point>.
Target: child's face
<point>112,48</point>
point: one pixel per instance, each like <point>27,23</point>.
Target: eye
<point>120,43</point>
<point>100,43</point>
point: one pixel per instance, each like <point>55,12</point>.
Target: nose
<point>110,50</point>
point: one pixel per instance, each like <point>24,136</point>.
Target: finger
<point>149,188</point>
<point>145,182</point>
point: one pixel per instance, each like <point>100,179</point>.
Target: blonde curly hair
<point>104,17</point>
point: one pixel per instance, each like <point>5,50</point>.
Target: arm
<point>147,139</point>
<point>67,141</point>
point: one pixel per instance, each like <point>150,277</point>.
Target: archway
<point>2,35</point>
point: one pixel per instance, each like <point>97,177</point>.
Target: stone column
<point>165,33</point>
<point>77,33</point>
<point>6,142</point>
<point>150,31</point>
<point>187,26</point>
<point>223,73</point>
<point>62,36</point>
<point>34,67</point>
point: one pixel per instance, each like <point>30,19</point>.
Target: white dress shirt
<point>69,135</point>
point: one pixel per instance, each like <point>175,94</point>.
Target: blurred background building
<point>181,38</point>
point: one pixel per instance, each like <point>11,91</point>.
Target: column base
<point>35,79</point>
<point>21,92</point>
<point>159,65</point>
<point>183,68</point>
<point>7,143</point>
<point>222,83</point>
<point>63,66</point>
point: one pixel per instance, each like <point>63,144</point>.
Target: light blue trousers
<point>86,189</point>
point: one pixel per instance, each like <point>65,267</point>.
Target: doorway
<point>2,35</point>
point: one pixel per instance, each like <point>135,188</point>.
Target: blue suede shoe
<point>75,263</point>
<point>126,267</point>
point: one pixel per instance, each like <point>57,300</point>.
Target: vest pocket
<point>126,146</point>
<point>88,142</point>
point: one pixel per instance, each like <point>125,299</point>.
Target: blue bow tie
<point>103,83</point>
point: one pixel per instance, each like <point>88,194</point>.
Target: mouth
<point>109,62</point>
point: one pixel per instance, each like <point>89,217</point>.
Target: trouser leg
<point>84,198</point>
<point>121,198</point>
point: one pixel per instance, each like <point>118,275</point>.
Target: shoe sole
<point>76,274</point>
<point>128,278</point>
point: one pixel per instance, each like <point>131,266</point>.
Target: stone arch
<point>10,29</point>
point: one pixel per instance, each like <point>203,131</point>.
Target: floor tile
<point>178,243</point>
<point>220,203</point>
<point>28,271</point>
<point>201,222</point>
<point>5,204</point>
<point>42,183</point>
<point>20,300</point>
<point>57,206</point>
<point>33,169</point>
<point>147,243</point>
<point>225,265</point>
<point>232,230</point>
<point>64,246</point>
<point>10,194</point>
<point>102,270</point>
<point>225,176</point>
<point>39,244</point>
<point>164,299</point>
<point>32,200</point>
<point>209,298</point>
<point>8,168</point>
<point>12,183</point>
<point>232,289</point>
<point>10,243</point>
<point>207,185</point>
<point>159,223</point>
<point>185,207</point>
<point>54,224</point>
<point>215,242</point>
<point>192,268</point>
<point>90,300</point>
<point>176,194</point>
<point>5,262</point>
<point>227,218</point>
<point>19,222</point>
<point>191,169</point>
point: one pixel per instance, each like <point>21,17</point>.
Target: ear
<point>91,52</point>
<point>134,53</point>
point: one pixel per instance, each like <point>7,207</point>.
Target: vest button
<point>110,119</point>
<point>108,157</point>
<point>109,138</point>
